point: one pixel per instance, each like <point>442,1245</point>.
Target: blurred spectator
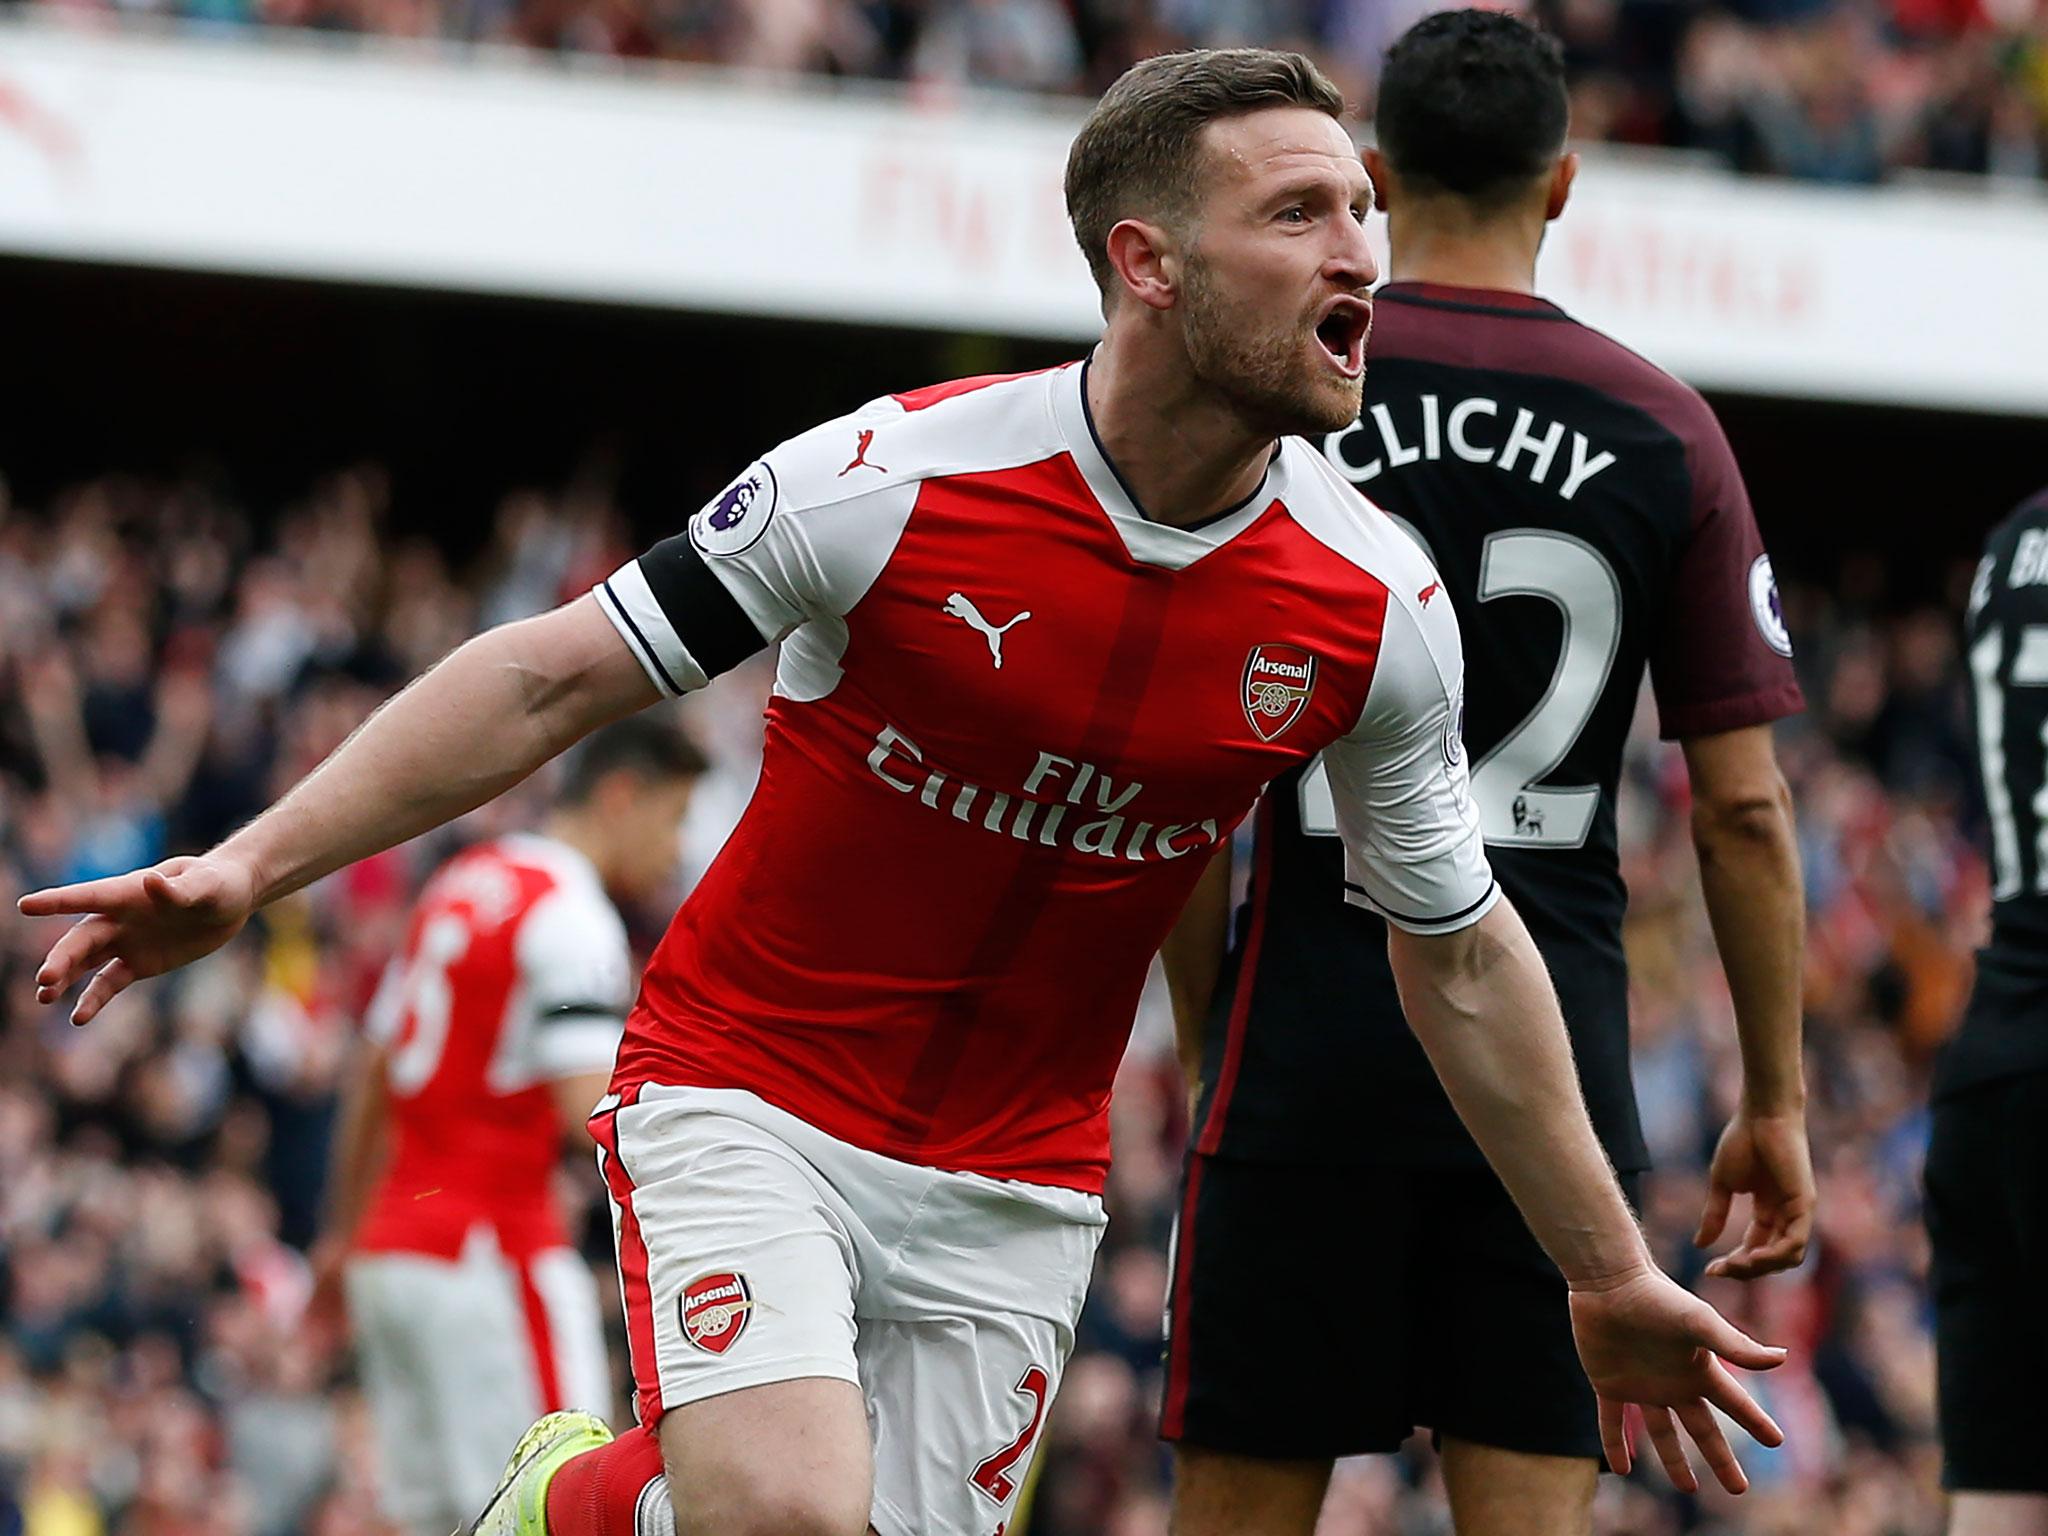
<point>1024,44</point>
<point>1844,91</point>
<point>1814,112</point>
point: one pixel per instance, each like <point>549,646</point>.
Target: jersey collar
<point>1147,542</point>
<point>1480,301</point>
<point>542,849</point>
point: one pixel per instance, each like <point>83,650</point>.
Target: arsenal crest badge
<point>716,1309</point>
<point>1277,682</point>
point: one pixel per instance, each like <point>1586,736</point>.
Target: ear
<point>1561,180</point>
<point>1146,265</point>
<point>613,795</point>
<point>1376,168</point>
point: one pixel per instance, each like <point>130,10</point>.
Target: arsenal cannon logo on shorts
<point>1277,682</point>
<point>715,1310</point>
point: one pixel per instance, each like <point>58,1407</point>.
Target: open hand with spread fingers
<point>139,924</point>
<point>1645,1339</point>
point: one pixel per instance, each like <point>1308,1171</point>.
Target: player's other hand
<point>1645,1339</point>
<point>326,1315</point>
<point>139,924</point>
<point>1766,1158</point>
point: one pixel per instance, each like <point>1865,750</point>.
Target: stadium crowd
<point>169,662</point>
<point>1847,91</point>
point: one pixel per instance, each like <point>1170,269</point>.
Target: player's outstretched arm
<point>1749,869</point>
<point>1482,1005</point>
<point>468,729</point>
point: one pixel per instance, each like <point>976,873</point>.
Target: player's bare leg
<point>1998,1514</point>
<point>1218,1494</point>
<point>788,1459</point>
<point>1494,1492</point>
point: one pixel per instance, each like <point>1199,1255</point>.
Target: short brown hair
<point>1139,151</point>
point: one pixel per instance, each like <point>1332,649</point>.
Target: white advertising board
<point>496,174</point>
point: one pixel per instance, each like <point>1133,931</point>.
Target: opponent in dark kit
<point>1987,1163</point>
<point>1587,523</point>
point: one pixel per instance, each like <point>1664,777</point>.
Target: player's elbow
<point>567,672</point>
<point>1748,817</point>
<point>1440,977</point>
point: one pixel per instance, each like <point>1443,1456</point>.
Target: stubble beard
<point>1261,370</point>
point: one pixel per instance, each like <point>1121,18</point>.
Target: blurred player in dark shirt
<point>1987,1163</point>
<point>1587,523</point>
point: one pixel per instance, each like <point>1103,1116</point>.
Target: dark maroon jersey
<point>1588,524</point>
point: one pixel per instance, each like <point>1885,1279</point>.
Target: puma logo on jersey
<point>860,455</point>
<point>960,607</point>
<point>1428,592</point>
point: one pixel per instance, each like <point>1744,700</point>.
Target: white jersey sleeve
<point>575,985</point>
<point>1412,847</point>
<point>794,542</point>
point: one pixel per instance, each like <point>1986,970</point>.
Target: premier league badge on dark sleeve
<point>1277,682</point>
<point>1768,608</point>
<point>736,520</point>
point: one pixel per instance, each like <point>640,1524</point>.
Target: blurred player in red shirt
<point>1043,641</point>
<point>492,1035</point>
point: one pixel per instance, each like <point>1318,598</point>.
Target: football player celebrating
<point>858,1128</point>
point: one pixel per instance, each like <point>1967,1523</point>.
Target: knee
<point>788,1459</point>
<point>1219,1494</point>
<point>768,1506</point>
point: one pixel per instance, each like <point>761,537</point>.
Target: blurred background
<point>333,330</point>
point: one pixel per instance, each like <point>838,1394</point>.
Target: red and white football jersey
<point>515,972</point>
<point>1012,717</point>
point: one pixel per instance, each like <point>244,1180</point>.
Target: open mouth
<point>1346,322</point>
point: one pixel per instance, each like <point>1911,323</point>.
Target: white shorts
<point>458,1358</point>
<point>754,1248</point>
